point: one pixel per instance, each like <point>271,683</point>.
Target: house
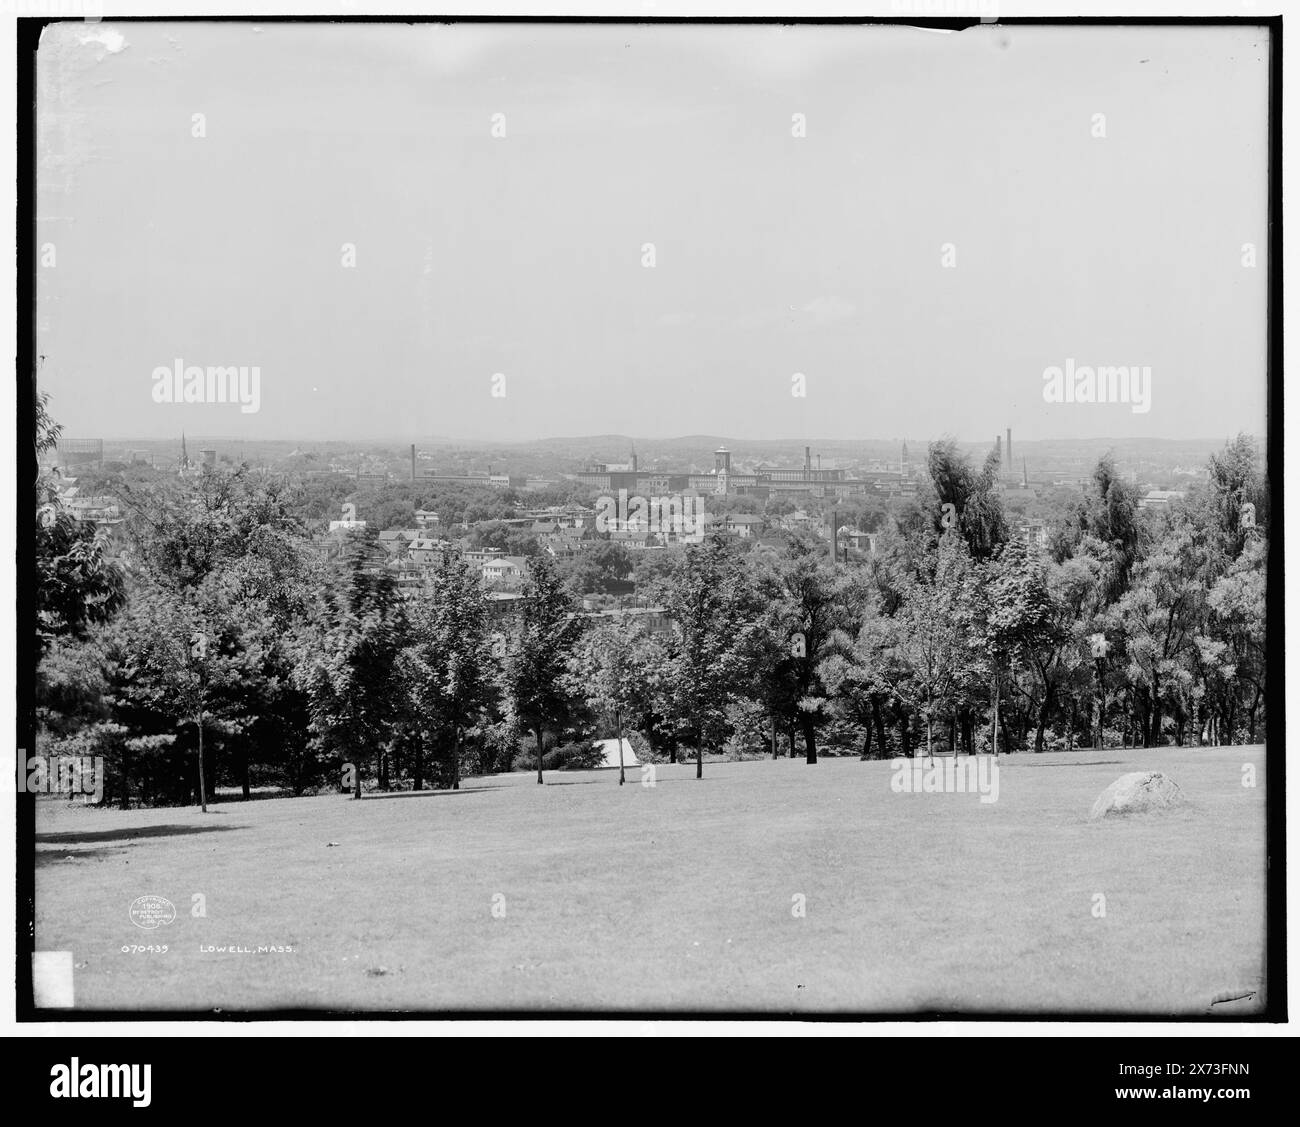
<point>563,544</point>
<point>655,620</point>
<point>505,570</point>
<point>1033,533</point>
<point>407,574</point>
<point>427,552</point>
<point>857,539</point>
<point>740,524</point>
<point>505,608</point>
<point>94,510</point>
<point>633,539</point>
<point>1160,498</point>
<point>394,541</point>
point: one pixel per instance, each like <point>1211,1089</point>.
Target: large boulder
<point>1139,792</point>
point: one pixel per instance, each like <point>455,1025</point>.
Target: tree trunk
<point>809,726</point>
<point>1009,744</point>
<point>699,756</point>
<point>618,732</point>
<point>997,700</point>
<point>243,770</point>
<point>775,753</point>
<point>455,757</point>
<point>866,742</point>
<point>539,753</point>
<point>1043,711</point>
<point>878,716</point>
<point>1100,741</point>
<point>418,772</point>
<point>203,783</point>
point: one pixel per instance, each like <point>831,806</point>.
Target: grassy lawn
<point>680,896</point>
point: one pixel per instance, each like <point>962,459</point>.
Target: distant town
<point>546,491</point>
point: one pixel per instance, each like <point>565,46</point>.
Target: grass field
<point>681,896</point>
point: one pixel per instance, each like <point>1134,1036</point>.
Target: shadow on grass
<point>46,858</point>
<point>376,795</point>
<point>1086,763</point>
<point>73,837</point>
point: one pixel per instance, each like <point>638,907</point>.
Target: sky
<point>951,223</point>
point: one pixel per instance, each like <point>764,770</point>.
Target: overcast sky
<point>774,254</point>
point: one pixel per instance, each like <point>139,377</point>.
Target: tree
<point>933,640</point>
<point>1238,496</point>
<point>1237,608</point>
<point>862,674</point>
<point>536,684</point>
<point>1160,616</point>
<point>973,497</point>
<point>716,628</point>
<point>601,569</point>
<point>813,608</point>
<point>1028,626</point>
<point>77,584</point>
<point>446,666</point>
<point>1109,514</point>
<point>608,672</point>
<point>356,698</point>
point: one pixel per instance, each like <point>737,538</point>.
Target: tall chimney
<point>807,463</point>
<point>412,461</point>
<point>1010,464</point>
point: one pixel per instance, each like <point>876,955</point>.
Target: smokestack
<point>998,447</point>
<point>412,461</point>
<point>1010,464</point>
<point>807,463</point>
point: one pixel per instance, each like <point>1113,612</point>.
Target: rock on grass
<point>1139,792</point>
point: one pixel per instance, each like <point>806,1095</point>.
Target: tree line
<point>221,633</point>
